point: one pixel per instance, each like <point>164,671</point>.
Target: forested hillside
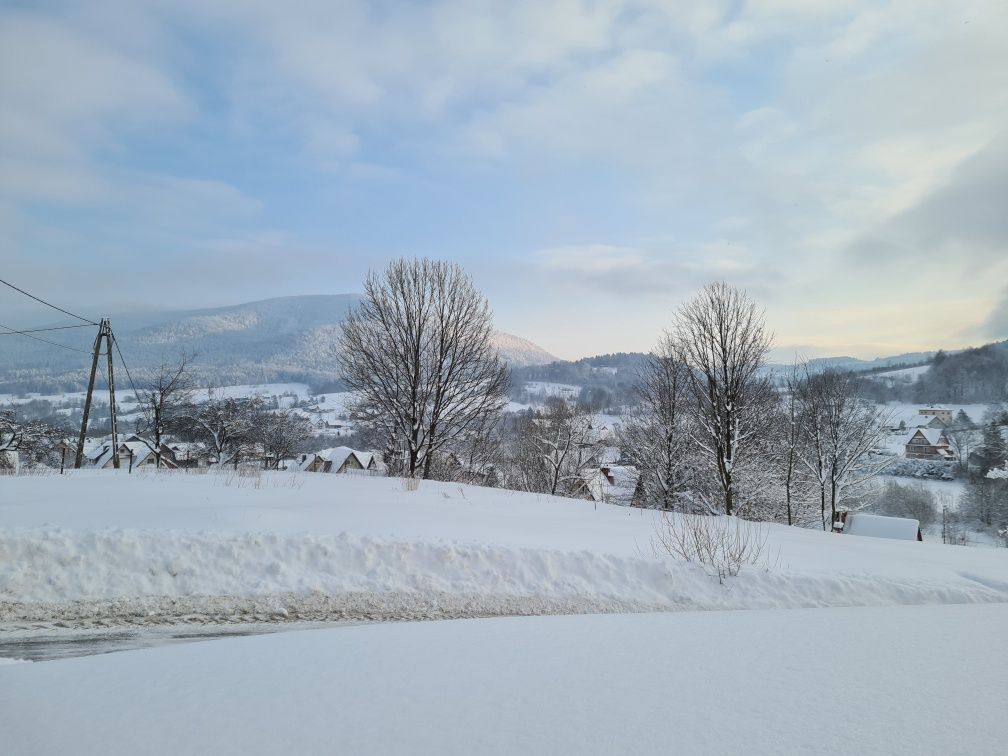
<point>978,375</point>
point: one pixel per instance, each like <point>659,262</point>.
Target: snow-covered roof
<point>877,526</point>
<point>615,483</point>
<point>339,454</point>
<point>934,436</point>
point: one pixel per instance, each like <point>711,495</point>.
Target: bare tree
<point>654,435</point>
<point>556,448</point>
<point>841,429</point>
<point>281,433</point>
<point>34,441</point>
<point>161,402</point>
<point>417,355</point>
<point>225,424</point>
<point>790,426</point>
<point>721,338</point>
<point>11,432</point>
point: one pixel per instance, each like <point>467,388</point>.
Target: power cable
<point>11,331</point>
<point>48,304</point>
<point>26,331</point>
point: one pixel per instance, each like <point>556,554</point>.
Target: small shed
<point>879,526</point>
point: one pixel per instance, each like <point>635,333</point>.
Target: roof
<point>934,436</point>
<point>615,483</point>
<point>877,526</point>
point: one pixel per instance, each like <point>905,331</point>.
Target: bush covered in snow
<point>921,468</point>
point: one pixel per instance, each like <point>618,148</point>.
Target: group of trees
<point>712,433</point>
<point>706,428</point>
<point>230,428</point>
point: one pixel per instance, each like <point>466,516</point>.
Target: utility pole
<point>104,334</point>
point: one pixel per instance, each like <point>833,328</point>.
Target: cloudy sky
<point>591,164</point>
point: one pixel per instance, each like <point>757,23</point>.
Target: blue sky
<point>591,164</point>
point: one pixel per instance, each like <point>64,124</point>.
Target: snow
<point>949,490</point>
<point>878,526</point>
<point>546,389</point>
<point>825,681</point>
<point>166,544</point>
<point>902,375</point>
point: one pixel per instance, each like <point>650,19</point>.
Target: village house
<point>611,484</point>
<point>133,453</point>
<point>930,444</point>
<point>341,459</point>
<point>191,454</point>
<point>933,415</point>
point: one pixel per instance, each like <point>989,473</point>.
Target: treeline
<point>606,381</point>
<point>707,430</point>
<point>973,376</point>
<point>39,381</point>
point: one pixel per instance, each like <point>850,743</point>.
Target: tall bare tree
<point>417,355</point>
<point>654,435</point>
<point>162,401</point>
<point>721,338</point>
<point>790,434</point>
<point>841,428</point>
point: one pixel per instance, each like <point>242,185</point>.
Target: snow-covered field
<point>902,375</point>
<point>545,389</point>
<point>156,547</point>
<point>893,680</point>
<point>797,673</point>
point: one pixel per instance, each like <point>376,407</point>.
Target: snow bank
<point>161,576</point>
<point>107,547</point>
<point>827,681</point>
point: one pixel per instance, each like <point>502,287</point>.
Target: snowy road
<point>882,680</point>
<point>48,644</point>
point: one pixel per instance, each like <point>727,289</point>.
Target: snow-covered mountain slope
<point>281,339</point>
<point>520,352</point>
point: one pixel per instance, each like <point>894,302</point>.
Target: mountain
<point>519,352</point>
<point>281,339</point>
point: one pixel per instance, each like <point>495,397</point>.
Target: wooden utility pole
<point>104,334</point>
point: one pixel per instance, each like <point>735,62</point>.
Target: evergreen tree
<point>993,451</point>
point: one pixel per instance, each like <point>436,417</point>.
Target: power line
<point>47,304</point>
<point>26,331</point>
<point>39,338</point>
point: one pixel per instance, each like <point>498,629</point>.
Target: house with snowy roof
<point>931,415</point>
<point>612,484</point>
<point>191,454</point>
<point>931,444</point>
<point>339,459</point>
<point>133,453</point>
